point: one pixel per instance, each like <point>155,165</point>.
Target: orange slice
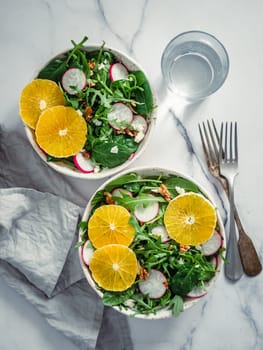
<point>36,97</point>
<point>190,219</point>
<point>114,267</point>
<point>61,131</point>
<point>110,224</point>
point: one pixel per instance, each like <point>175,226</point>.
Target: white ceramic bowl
<point>74,172</point>
<point>146,171</point>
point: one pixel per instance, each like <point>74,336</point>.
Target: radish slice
<point>87,252</point>
<point>117,192</point>
<point>155,285</point>
<point>211,246</point>
<point>197,292</point>
<point>74,80</point>
<point>139,123</point>
<point>161,231</point>
<point>120,116</point>
<point>118,72</point>
<point>85,165</point>
<point>146,214</point>
<point>215,262</point>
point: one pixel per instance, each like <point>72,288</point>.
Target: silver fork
<point>210,142</point>
<point>228,161</point>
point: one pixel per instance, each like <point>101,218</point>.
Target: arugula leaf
<point>177,304</point>
<point>117,298</point>
<point>121,181</point>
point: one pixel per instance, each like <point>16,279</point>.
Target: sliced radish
<point>139,123</point>
<point>215,261</point>
<point>211,246</point>
<point>117,192</point>
<point>197,292</point>
<point>132,156</point>
<point>87,251</point>
<point>118,71</point>
<point>155,285</point>
<point>85,165</point>
<point>74,80</point>
<point>148,213</point>
<point>161,231</point>
<point>120,116</point>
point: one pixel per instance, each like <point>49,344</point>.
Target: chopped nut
<point>108,198</point>
<point>184,248</point>
<point>133,103</point>
<point>88,113</point>
<point>92,64</point>
<point>164,192</point>
<point>144,274</point>
<point>166,284</point>
<point>86,154</point>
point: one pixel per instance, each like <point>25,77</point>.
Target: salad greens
<point>184,269</point>
<point>95,101</point>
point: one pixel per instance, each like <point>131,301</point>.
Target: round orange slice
<point>190,219</point>
<point>61,131</point>
<point>109,224</point>
<point>36,97</point>
<point>114,267</point>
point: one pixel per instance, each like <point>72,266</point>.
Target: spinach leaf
<point>142,199</point>
<point>144,96</point>
<point>53,70</point>
<point>176,181</point>
<point>104,152</point>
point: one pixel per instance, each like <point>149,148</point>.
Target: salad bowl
<point>113,145</point>
<point>153,295</point>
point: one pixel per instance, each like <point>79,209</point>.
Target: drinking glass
<point>194,65</point>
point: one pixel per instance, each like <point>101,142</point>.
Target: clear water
<point>193,70</point>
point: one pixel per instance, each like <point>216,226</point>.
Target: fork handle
<point>248,254</point>
<point>233,266</point>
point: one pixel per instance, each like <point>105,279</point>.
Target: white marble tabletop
<point>31,32</point>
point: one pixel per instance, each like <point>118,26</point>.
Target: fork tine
<point>236,143</point>
<point>220,156</point>
<point>213,139</point>
<point>226,135</point>
<point>231,143</point>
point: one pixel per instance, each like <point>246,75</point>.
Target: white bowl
<point>146,171</point>
<point>74,172</point>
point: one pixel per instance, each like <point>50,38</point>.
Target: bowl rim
<point>163,313</point>
<point>106,172</point>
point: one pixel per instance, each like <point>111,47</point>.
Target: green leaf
<point>142,199</point>
<point>103,154</point>
<point>131,177</point>
<point>98,198</point>
<point>53,70</point>
<point>177,305</point>
<point>144,97</point>
<point>117,298</point>
<point>175,181</point>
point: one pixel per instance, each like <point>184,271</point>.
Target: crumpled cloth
<point>39,216</point>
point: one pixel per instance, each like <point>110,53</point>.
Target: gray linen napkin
<point>38,231</point>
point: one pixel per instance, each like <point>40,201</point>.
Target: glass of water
<point>194,65</point>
